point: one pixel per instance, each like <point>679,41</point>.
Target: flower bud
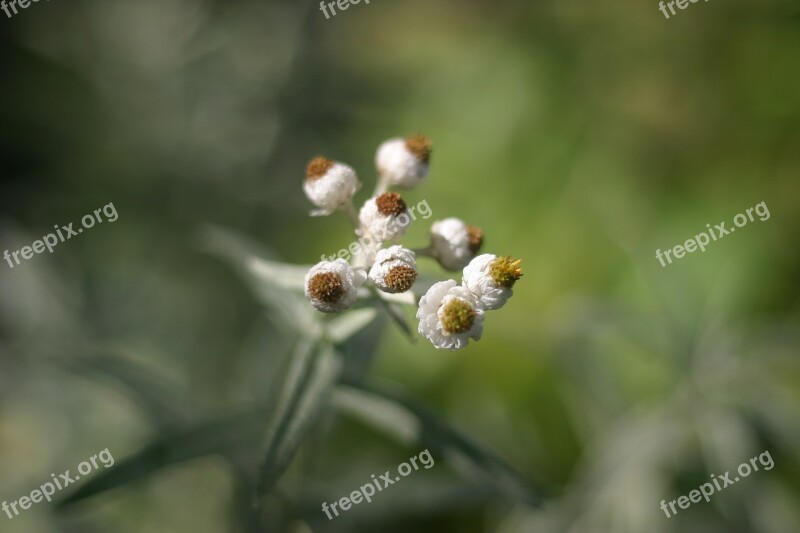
<point>404,162</point>
<point>332,286</point>
<point>449,315</point>
<point>329,184</point>
<point>385,217</point>
<point>454,243</point>
<point>490,279</point>
<point>395,269</point>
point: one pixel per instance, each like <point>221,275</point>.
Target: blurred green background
<point>580,136</point>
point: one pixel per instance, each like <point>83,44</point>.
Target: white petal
<point>480,283</point>
<point>381,227</point>
<point>430,325</point>
<point>330,191</point>
<point>450,243</point>
<point>398,166</point>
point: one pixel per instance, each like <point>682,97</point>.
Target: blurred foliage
<point>581,137</point>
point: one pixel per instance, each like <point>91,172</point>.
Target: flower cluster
<point>449,314</point>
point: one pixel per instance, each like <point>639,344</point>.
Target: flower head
<point>449,315</point>
<point>395,269</point>
<point>454,243</point>
<point>404,162</point>
<point>385,217</point>
<point>490,279</point>
<point>332,286</point>
<point>329,184</point>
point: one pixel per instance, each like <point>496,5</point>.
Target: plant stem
<point>380,187</point>
<point>423,252</point>
<point>350,210</point>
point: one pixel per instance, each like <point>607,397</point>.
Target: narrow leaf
<point>358,352</point>
<point>223,435</point>
<point>307,391</point>
<point>396,313</point>
<point>283,275</point>
<point>158,397</point>
<point>348,324</point>
<point>408,423</point>
<point>277,285</point>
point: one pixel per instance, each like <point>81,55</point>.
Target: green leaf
<point>225,435</point>
<point>309,383</point>
<point>279,286</point>
<point>159,399</point>
<point>396,313</point>
<point>283,275</point>
<point>358,352</point>
<point>410,424</point>
<point>348,324</point>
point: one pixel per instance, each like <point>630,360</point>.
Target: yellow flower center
<point>504,272</point>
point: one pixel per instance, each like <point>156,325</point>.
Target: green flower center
<point>457,316</point>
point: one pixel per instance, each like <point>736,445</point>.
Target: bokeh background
<point>582,136</point>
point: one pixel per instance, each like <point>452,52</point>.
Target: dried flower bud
<point>449,315</point>
<point>404,162</point>
<point>490,279</point>
<point>332,286</point>
<point>395,269</point>
<point>385,217</point>
<point>329,184</point>
<point>454,244</point>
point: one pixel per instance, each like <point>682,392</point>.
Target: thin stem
<point>396,316</point>
<point>350,210</point>
<point>423,252</point>
<point>381,186</point>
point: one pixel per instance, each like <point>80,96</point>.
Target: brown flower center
<point>457,316</point>
<point>318,167</point>
<point>504,272</point>
<point>400,278</point>
<point>326,286</point>
<point>390,204</point>
<point>421,147</point>
<point>475,239</point>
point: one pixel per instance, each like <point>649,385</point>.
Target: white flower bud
<point>385,217</point>
<point>329,184</point>
<point>490,279</point>
<point>454,243</point>
<point>395,269</point>
<point>404,162</point>
<point>332,286</point>
<point>449,315</point>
